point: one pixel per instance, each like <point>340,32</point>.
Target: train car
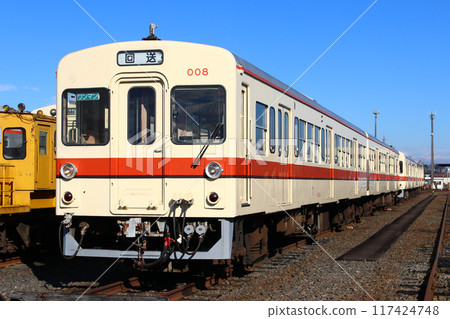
<point>411,175</point>
<point>27,176</point>
<point>181,151</point>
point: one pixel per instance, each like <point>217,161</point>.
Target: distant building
<point>441,181</point>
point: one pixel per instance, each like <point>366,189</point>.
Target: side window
<point>280,132</point>
<point>364,158</point>
<point>261,127</point>
<point>316,144</point>
<point>302,139</point>
<point>400,164</point>
<point>296,140</point>
<point>352,163</point>
<point>347,153</point>
<point>323,148</point>
<point>359,156</point>
<point>272,130</point>
<point>328,146</point>
<point>141,115</point>
<point>337,149</point>
<point>14,143</point>
<point>310,146</point>
<point>286,134</point>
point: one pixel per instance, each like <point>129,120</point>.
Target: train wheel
<point>6,245</point>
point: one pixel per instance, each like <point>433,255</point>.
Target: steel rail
<point>429,292</point>
<point>180,293</point>
<point>10,261</point>
<point>114,288</point>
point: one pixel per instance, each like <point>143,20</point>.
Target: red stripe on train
<point>233,167</point>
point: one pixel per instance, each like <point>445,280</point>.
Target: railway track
<point>292,260</point>
<point>374,247</point>
<point>203,284</point>
<point>441,265</point>
<point>9,261</point>
<point>431,264</point>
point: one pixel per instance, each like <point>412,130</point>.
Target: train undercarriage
<point>26,232</point>
<point>154,243</point>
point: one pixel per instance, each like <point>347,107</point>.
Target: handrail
<point>6,180</point>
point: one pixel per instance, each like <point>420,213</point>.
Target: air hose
<point>84,226</point>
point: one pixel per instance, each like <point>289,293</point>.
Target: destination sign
<point>150,57</point>
<point>88,96</point>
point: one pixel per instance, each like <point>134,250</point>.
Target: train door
<point>45,158</point>
<point>137,146</point>
<point>244,180</point>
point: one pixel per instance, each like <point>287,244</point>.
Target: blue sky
<point>395,59</point>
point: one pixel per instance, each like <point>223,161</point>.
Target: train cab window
<point>261,127</point>
<point>400,164</point>
<point>198,115</point>
<point>141,115</point>
<point>85,116</point>
<point>14,143</point>
<point>272,130</point>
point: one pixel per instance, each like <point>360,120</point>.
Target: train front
<point>143,151</point>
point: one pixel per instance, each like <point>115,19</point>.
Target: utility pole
<point>375,112</point>
<point>432,117</point>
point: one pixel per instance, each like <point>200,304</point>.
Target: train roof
<point>254,71</point>
<point>258,73</point>
<point>413,160</point>
<point>35,116</point>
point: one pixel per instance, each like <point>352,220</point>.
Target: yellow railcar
<point>27,174</point>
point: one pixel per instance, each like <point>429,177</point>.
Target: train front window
<point>141,115</point>
<point>85,114</point>
<point>14,143</point>
<point>198,114</point>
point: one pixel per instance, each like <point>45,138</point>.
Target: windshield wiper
<point>205,147</point>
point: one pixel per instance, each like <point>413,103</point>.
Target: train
<point>175,152</point>
<point>27,178</point>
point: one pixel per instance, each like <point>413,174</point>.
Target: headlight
<point>213,170</point>
<point>68,170</point>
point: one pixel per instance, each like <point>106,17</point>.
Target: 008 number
<point>197,72</point>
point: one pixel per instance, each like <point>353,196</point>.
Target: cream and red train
<point>181,151</point>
